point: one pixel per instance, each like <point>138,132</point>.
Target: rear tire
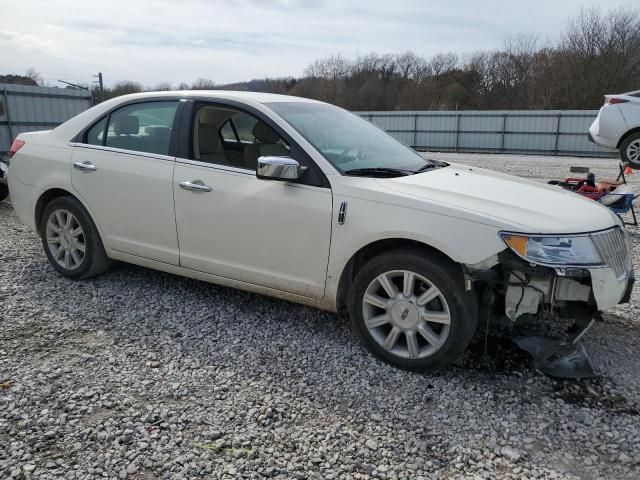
<point>630,150</point>
<point>71,240</point>
<point>410,309</point>
<point>4,191</point>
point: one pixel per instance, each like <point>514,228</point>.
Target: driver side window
<point>225,136</point>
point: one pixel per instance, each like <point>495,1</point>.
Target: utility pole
<point>100,85</point>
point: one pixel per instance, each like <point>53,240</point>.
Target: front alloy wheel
<point>410,309</point>
<point>406,314</point>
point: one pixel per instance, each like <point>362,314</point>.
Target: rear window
<point>244,126</point>
<point>227,132</point>
<point>95,135</point>
<point>141,127</point>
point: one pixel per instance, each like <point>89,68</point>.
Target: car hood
<point>504,200</point>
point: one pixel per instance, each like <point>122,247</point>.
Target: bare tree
<point>34,75</point>
<point>442,63</point>
<point>203,84</point>
<point>163,87</point>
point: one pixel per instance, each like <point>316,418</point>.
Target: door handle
<point>86,166</point>
<point>196,185</point>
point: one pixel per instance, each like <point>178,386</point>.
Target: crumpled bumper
<point>609,291</point>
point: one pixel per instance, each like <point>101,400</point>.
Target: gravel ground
<point>139,374</point>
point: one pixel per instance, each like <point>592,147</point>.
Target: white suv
<point>305,201</point>
<point>618,126</point>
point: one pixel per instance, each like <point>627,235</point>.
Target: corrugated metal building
<point>550,132</point>
<point>24,108</point>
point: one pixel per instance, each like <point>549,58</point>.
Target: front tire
<point>71,240</point>
<point>630,150</point>
<point>411,310</point>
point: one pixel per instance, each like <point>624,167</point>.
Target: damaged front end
<point>547,278</point>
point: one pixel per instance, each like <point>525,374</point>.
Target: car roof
<point>71,127</point>
<point>223,94</point>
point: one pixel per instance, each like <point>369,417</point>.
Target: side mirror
<point>279,168</point>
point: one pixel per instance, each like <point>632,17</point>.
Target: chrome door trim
<point>215,166</point>
<point>122,151</point>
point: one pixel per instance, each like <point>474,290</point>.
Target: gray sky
<point>232,40</point>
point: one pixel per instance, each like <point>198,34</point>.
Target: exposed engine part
<point>571,290</point>
<point>525,294</point>
<point>520,288</point>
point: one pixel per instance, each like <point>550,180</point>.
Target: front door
<point>123,172</point>
<point>233,225</point>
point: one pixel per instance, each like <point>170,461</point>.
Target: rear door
<point>123,171</point>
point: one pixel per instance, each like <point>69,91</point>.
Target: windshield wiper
<point>429,166</point>
<point>378,172</point>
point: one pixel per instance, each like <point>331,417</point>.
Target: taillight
<point>614,100</point>
<point>15,146</point>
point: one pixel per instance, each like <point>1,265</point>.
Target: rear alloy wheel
<point>411,310</point>
<point>71,240</point>
<point>65,239</point>
<point>630,150</point>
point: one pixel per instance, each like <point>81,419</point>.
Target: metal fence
<point>24,108</point>
<point>548,132</point>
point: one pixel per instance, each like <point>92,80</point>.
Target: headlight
<point>549,250</point>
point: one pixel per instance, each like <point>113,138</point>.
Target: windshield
<point>347,141</point>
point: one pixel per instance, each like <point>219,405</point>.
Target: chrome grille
<point>613,247</point>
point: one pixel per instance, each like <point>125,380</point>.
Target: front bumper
<point>626,298</point>
<point>526,288</point>
<point>609,291</point>
<point>597,289</point>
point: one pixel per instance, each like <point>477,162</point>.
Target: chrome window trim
<point>122,151</point>
<point>215,166</point>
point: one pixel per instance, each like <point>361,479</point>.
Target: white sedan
<point>305,201</point>
<point>618,126</point>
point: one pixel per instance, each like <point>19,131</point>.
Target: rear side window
<point>227,132</point>
<point>244,126</point>
<point>141,127</point>
<point>95,135</point>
